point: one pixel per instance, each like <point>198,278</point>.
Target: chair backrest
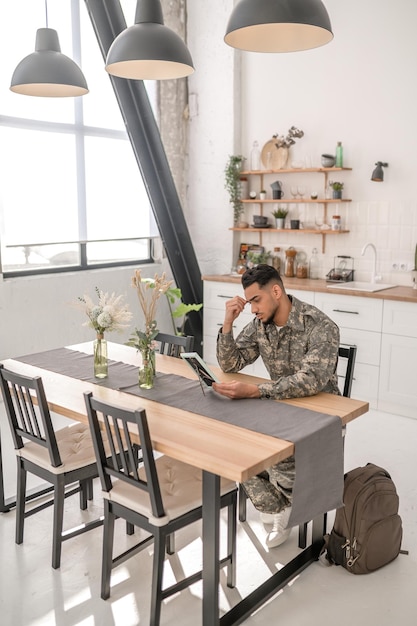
<point>349,353</point>
<point>123,427</point>
<point>28,412</point>
<point>172,345</point>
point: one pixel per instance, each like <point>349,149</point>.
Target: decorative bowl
<point>328,160</point>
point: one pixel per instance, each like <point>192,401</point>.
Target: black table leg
<point>211,541</point>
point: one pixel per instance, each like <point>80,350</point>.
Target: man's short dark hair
<point>261,274</point>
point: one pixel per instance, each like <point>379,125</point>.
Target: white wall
<point>359,89</point>
<point>39,312</point>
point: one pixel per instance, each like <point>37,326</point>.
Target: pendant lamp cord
<point>46,13</point>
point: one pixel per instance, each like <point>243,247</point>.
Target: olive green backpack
<point>367,530</point>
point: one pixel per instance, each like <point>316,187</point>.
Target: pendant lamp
<point>148,49</point>
<point>47,72</point>
<point>278,25</point>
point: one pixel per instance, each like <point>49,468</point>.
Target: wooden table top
<point>224,449</point>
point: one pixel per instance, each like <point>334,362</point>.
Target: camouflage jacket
<point>301,357</point>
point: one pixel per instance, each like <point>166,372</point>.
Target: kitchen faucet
<point>374,276</point>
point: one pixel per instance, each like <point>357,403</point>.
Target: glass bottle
<point>241,265</point>
<point>314,264</point>
<point>255,157</point>
<point>100,357</point>
<point>339,154</point>
<point>289,269</point>
<point>276,259</point>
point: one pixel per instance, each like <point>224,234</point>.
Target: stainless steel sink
<point>358,286</point>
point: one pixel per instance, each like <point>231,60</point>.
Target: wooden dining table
<point>206,444</point>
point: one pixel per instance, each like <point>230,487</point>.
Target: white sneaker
<point>267,518</point>
<point>279,532</point>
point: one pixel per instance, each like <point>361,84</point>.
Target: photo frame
<point>200,368</point>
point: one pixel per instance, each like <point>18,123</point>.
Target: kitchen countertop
<point>401,294</point>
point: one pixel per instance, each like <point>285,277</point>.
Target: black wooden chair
<point>63,457</point>
<point>348,353</point>
<point>345,352</point>
<point>172,345</point>
<point>160,496</point>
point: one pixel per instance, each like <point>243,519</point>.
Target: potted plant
<point>262,194</point>
<point>337,189</point>
<point>254,258</point>
<point>280,214</point>
<point>232,183</point>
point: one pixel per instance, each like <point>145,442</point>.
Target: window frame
<point>79,132</point>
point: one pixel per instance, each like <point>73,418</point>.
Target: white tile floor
<point>32,593</point>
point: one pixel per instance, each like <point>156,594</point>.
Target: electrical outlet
<point>400,266</point>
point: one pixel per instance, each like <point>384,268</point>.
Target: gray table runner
<point>317,436</point>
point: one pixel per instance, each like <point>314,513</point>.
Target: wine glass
<point>319,218</point>
<point>301,191</point>
<point>294,191</point>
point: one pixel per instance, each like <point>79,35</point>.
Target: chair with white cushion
<point>63,457</point>
<point>159,496</point>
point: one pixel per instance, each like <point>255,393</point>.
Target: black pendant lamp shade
<point>148,49</point>
<point>278,25</point>
<point>47,72</point>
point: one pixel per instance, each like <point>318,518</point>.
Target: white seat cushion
<point>181,490</point>
<point>75,447</point>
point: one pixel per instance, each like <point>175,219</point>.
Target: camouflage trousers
<point>271,491</point>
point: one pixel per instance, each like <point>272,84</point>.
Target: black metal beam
<point>108,21</point>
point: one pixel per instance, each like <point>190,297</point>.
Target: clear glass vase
<point>147,369</point>
<point>100,357</point>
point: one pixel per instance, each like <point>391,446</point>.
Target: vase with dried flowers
<point>109,314</point>
<point>149,291</point>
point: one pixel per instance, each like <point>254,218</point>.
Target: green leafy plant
<point>179,309</point>
<point>280,212</point>
<point>336,186</point>
<point>232,173</point>
<point>257,257</point>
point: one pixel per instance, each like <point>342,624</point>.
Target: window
<point>71,194</point>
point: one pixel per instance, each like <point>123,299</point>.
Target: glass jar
<point>289,269</point>
<point>276,259</point>
<point>302,266</point>
<point>241,265</point>
<point>336,222</point>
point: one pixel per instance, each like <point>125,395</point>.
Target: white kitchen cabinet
<point>304,296</point>
<point>360,323</point>
<point>397,384</point>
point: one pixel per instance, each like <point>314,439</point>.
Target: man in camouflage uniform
<point>299,346</point>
